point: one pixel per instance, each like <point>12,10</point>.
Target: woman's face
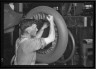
<point>32,30</point>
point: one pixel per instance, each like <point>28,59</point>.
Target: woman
<point>29,41</point>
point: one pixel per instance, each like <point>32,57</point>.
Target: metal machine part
<point>73,47</point>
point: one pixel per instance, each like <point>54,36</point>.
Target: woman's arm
<point>51,36</point>
<point>39,34</point>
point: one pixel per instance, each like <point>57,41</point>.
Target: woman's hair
<point>26,23</point>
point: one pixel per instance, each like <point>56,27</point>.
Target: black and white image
<point>49,33</point>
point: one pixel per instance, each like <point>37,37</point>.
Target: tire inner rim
<point>50,47</point>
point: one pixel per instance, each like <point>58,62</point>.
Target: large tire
<point>62,31</point>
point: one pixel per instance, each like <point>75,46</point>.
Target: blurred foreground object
<point>11,18</point>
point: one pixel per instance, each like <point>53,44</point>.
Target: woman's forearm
<point>52,32</point>
<point>39,34</point>
<point>51,36</point>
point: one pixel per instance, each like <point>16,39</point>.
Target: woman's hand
<point>44,26</point>
<point>50,18</point>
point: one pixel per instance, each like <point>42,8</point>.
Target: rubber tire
<point>60,48</point>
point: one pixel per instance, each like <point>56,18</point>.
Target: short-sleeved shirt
<point>26,49</point>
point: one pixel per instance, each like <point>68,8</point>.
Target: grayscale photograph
<point>49,34</point>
